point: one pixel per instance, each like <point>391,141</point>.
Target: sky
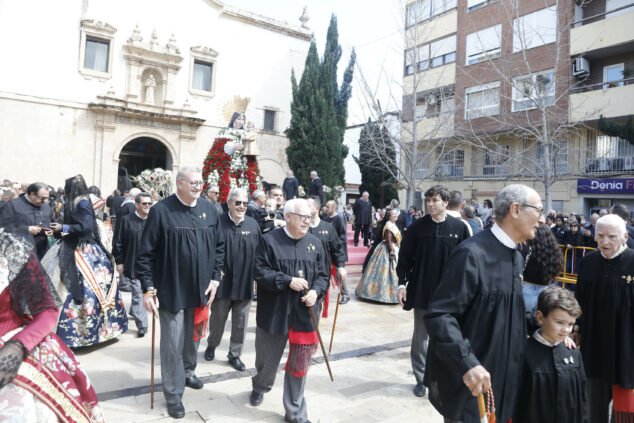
<point>372,27</point>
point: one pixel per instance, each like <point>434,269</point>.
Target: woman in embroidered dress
<point>379,281</point>
<point>82,271</point>
<point>40,378</point>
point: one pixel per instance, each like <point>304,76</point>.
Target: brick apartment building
<point>482,78</point>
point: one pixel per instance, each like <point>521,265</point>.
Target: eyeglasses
<point>149,203</point>
<point>540,210</point>
<point>43,198</point>
<point>302,216</point>
<point>194,183</point>
<point>240,203</point>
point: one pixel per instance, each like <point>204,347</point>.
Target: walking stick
<point>321,343</point>
<point>482,408</point>
<point>334,323</point>
<point>152,369</point>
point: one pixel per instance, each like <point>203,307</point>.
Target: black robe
<point>182,250</point>
<point>425,249</point>
<point>18,214</point>
<point>126,243</point>
<point>332,244</point>
<point>241,242</point>
<point>552,386</point>
<point>340,227</point>
<point>362,210</point>
<point>278,259</point>
<point>561,234</point>
<point>476,316</point>
<point>316,188</point>
<point>290,187</point>
<point>605,290</point>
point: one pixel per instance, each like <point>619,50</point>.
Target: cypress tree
<point>376,148</point>
<point>318,115</point>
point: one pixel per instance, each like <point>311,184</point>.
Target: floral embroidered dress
<point>82,272</point>
<point>50,385</point>
<point>379,282</point>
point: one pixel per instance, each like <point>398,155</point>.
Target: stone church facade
<point>107,89</point>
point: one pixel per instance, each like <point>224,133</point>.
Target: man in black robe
<point>289,270</point>
<point>316,187</point>
<point>235,293</point>
<point>362,209</point>
<point>213,194</point>
<point>29,216</point>
<point>424,251</point>
<point>333,249</point>
<point>605,290</point>
<point>125,248</point>
<point>290,186</point>
<point>475,318</point>
<point>181,255</point>
<point>339,224</point>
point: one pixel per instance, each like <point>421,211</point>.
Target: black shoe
<point>210,353</point>
<point>256,398</point>
<point>356,244</point>
<point>344,299</point>
<point>420,390</point>
<point>237,363</point>
<point>140,333</point>
<point>176,411</point>
<point>193,382</point>
<point>255,298</point>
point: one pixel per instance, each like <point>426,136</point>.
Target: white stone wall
<point>45,123</point>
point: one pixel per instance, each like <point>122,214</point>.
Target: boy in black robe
<point>605,290</point>
<point>290,273</point>
<point>552,383</point>
<point>235,293</point>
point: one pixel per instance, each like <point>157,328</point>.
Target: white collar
<point>289,234</point>
<point>540,338</point>
<point>184,203</point>
<point>231,218</point>
<point>502,236</point>
<point>314,226</point>
<point>618,253</point>
<point>454,213</point>
<point>139,216</point>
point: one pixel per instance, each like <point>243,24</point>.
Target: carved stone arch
<point>168,145</point>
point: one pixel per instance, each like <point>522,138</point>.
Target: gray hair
<point>291,206</point>
<point>210,187</point>
<point>510,194</point>
<point>237,192</point>
<point>313,173</point>
<point>134,192</point>
<point>613,220</point>
<point>257,194</point>
<point>186,170</point>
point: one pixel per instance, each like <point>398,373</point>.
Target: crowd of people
<point>482,280</point>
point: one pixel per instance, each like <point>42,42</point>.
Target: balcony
<point>611,29</point>
<point>430,79</point>
<point>607,99</point>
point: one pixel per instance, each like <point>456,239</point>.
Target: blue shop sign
<point>605,186</point>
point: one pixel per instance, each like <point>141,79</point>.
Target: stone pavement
<point>370,362</point>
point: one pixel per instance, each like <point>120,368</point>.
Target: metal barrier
<point>572,256</point>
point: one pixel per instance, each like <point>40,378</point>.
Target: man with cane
<point>288,262</point>
<point>475,318</point>
<point>182,253</point>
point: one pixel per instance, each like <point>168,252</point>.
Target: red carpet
<point>356,255</point>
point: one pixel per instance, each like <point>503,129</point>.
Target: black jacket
<point>125,245</point>
<point>362,210</point>
<point>290,187</point>
<point>18,214</point>
<point>316,188</point>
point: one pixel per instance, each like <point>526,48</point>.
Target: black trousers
<point>366,234</point>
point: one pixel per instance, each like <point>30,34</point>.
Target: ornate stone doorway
<point>140,154</point>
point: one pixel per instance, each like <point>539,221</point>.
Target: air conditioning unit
<point>431,99</point>
<point>580,67</point>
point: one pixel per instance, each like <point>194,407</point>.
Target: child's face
<point>557,325</point>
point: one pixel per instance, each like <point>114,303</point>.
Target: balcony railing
<point>599,16</point>
<point>602,85</point>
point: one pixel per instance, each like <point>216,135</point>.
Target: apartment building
<point>483,78</point>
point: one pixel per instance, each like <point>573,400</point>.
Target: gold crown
<point>235,104</point>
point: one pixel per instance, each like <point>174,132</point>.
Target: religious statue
<point>232,159</point>
<point>150,85</point>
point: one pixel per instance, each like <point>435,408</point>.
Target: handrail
<point>598,15</point>
<point>601,85</point>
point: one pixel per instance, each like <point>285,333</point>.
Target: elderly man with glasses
<point>291,275</point>
<point>235,293</point>
<point>212,194</point>
<point>30,217</point>
<point>181,255</point>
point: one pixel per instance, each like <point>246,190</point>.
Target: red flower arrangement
<point>220,161</point>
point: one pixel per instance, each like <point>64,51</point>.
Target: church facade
<point>108,89</point>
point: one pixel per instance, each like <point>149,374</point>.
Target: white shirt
<point>457,215</point>
<point>540,338</point>
<point>184,203</point>
<point>503,237</point>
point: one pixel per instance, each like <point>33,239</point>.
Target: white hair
<point>134,192</point>
<point>291,206</point>
<point>313,173</point>
<point>614,221</point>
<point>185,170</point>
<point>237,192</point>
<point>515,193</point>
<point>257,194</point>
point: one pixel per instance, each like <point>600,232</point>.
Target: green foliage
<point>376,148</point>
<point>319,111</point>
<point>613,129</point>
